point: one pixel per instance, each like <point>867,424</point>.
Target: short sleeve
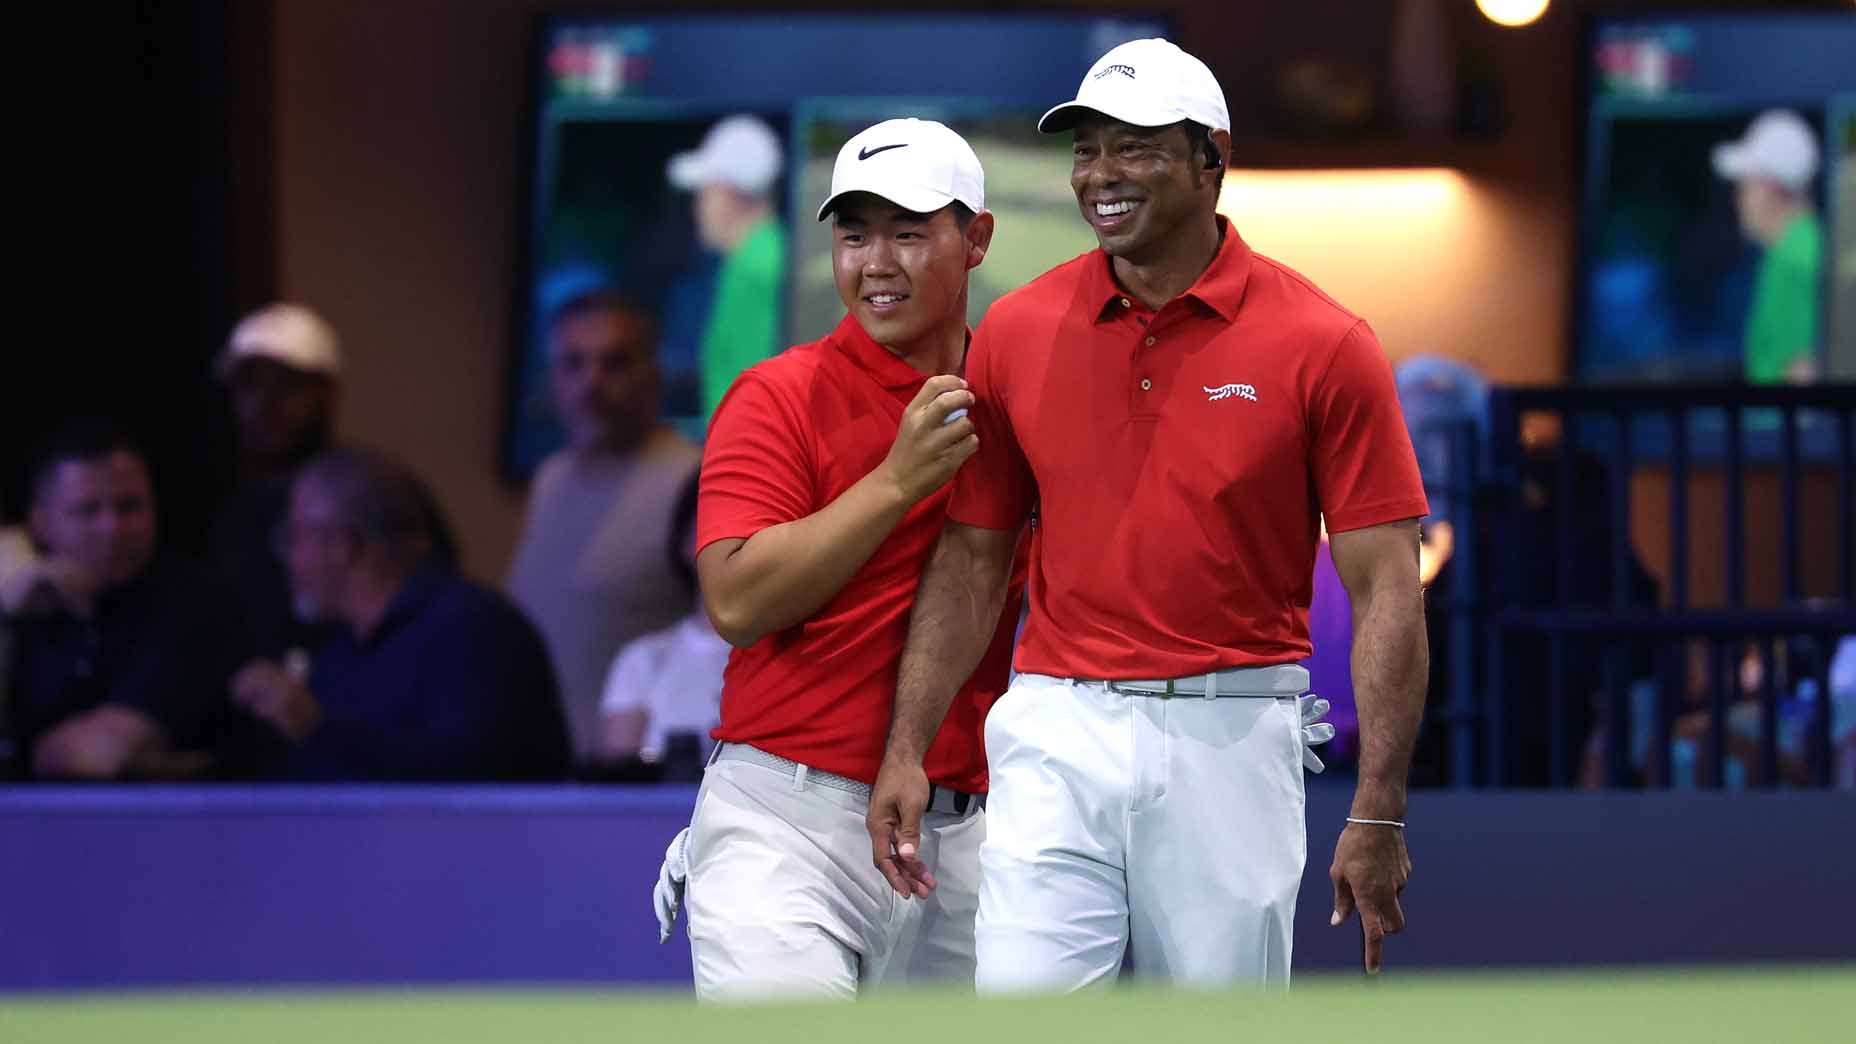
<point>994,489</point>
<point>1364,469</point>
<point>757,468</point>
<point>628,682</point>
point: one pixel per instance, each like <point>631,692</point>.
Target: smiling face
<point>1138,185</point>
<point>903,275</point>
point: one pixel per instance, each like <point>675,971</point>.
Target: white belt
<point>940,799</point>
<point>1287,679</point>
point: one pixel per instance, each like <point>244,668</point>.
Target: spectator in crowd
<point>119,654</point>
<point>280,369</point>
<point>590,569</point>
<point>732,176</point>
<point>426,675</point>
<point>1773,167</point>
<point>669,681</point>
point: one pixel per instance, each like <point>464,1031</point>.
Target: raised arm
<point>784,573</point>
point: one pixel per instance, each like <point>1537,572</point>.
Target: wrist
<point>1376,799</point>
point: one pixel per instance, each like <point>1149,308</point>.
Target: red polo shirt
<point>1179,461</point>
<point>790,437</point>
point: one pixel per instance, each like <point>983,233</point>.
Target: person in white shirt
<point>669,681</point>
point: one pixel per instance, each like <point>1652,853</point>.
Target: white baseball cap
<point>741,151</point>
<point>1778,144</point>
<point>1148,83</point>
<point>918,165</point>
<point>286,333</point>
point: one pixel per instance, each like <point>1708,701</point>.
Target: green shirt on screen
<point>744,320</point>
<point>1781,327</point>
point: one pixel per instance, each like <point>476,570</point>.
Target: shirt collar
<point>414,594</point>
<point>1219,289</point>
<point>885,366</point>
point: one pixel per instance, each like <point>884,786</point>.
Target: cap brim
<point>1066,116</point>
<point>913,198</point>
<point>1732,161</point>
<point>686,170</point>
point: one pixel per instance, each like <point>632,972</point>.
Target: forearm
<point>1391,665</point>
<point>785,573</point>
<point>956,613</point>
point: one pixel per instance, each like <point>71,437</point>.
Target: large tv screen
<point>1719,196</point>
<point>624,106</point>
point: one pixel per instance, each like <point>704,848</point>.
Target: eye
<point>851,238</point>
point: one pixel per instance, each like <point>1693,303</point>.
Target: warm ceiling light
<point>1512,12</point>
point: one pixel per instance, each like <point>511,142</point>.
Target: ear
<point>1221,143</point>
<point>979,238</point>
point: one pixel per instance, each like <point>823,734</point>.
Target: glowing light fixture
<point>1512,12</point>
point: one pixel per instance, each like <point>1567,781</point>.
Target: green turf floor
<point>1815,1005</point>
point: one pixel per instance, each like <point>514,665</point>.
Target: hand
<point>929,448</point>
<point>668,895</point>
<point>99,744</point>
<point>1370,870</point>
<point>1315,732</point>
<point>895,824</point>
<point>42,585</point>
<point>269,692</point>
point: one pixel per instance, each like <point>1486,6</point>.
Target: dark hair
<point>683,527</point>
<point>604,300</point>
<point>383,502</point>
<point>79,439</point>
<point>963,214</point>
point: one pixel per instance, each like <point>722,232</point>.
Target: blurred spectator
<point>669,681</point>
<point>280,370</point>
<point>1773,166</point>
<point>1330,668</point>
<point>426,675</point>
<point>732,175</point>
<point>590,569</point>
<point>120,655</point>
<point>1444,401</point>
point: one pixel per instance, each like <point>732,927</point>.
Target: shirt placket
<point>1144,390</point>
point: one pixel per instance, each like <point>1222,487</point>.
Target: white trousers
<point>1175,824</point>
<point>783,899</point>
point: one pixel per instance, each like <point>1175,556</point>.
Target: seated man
<point>427,675</point>
<point>118,653</point>
<point>669,681</point>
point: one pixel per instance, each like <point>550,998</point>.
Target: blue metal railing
<point>1607,438</point>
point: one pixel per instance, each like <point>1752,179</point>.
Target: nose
<point>880,257</point>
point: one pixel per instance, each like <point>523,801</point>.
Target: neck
<point>1781,220</point>
<point>367,600</point>
<point>745,223</point>
<point>1181,259</point>
<point>942,349</point>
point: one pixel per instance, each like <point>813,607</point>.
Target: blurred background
<point>1608,245</point>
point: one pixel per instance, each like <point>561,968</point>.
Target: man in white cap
<point>1773,166</point>
<point>1183,413</point>
<point>732,176</point>
<point>281,370</point>
<point>824,487</point>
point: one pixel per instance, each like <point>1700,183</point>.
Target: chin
<point>892,330</point>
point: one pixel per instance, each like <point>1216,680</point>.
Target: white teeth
<point>883,299</point>
<point>1111,209</point>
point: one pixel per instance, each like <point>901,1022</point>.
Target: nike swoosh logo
<point>864,154</point>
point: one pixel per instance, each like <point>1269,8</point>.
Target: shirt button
<point>1150,342</point>
<point>1125,303</point>
<point>1146,385</point>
